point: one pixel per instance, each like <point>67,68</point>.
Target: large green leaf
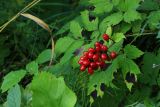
<point>132,51</point>
<point>49,91</point>
<point>14,97</point>
<point>32,67</point>
<point>89,25</point>
<point>62,45</point>
<point>12,79</point>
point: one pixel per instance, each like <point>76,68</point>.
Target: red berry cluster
<point>95,57</point>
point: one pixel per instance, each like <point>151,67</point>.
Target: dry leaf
<point>38,21</point>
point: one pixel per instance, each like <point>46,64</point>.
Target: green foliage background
<point>28,80</point>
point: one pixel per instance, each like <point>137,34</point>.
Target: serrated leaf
<point>75,29</point>
<point>44,56</point>
<point>14,97</point>
<point>117,37</point>
<point>131,15</point>
<point>60,47</point>
<point>101,6</point>
<point>49,91</point>
<point>111,20</point>
<point>32,67</point>
<point>12,79</point>
<point>132,51</point>
<point>89,25</point>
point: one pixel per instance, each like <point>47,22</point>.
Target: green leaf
<point>63,29</point>
<point>149,5</point>
<point>14,97</point>
<point>109,30</point>
<point>132,51</point>
<point>153,19</point>
<point>69,53</point>
<point>124,27</point>
<point>12,79</point>
<point>117,37</point>
<point>115,2</point>
<point>49,91</point>
<point>60,47</point>
<point>103,77</point>
<point>75,29</point>
<point>101,6</point>
<point>4,53</point>
<point>32,67</point>
<point>131,15</point>
<point>116,47</point>
<point>44,56</point>
<point>132,5</point>
<point>89,25</point>
<point>150,73</point>
<point>128,65</point>
<point>111,20</point>
<point>158,36</point>
<point>136,26</point>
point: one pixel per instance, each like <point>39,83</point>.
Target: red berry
<point>104,48</point>
<point>90,55</point>
<point>97,44</point>
<point>80,62</point>
<point>105,37</point>
<point>104,56</point>
<point>93,65</point>
<point>83,68</point>
<point>83,58</point>
<point>86,62</point>
<point>91,50</point>
<point>98,63</point>
<point>113,55</point>
<point>90,70</point>
<point>102,64</point>
<point>85,53</point>
<point>98,48</point>
<point>95,57</point>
